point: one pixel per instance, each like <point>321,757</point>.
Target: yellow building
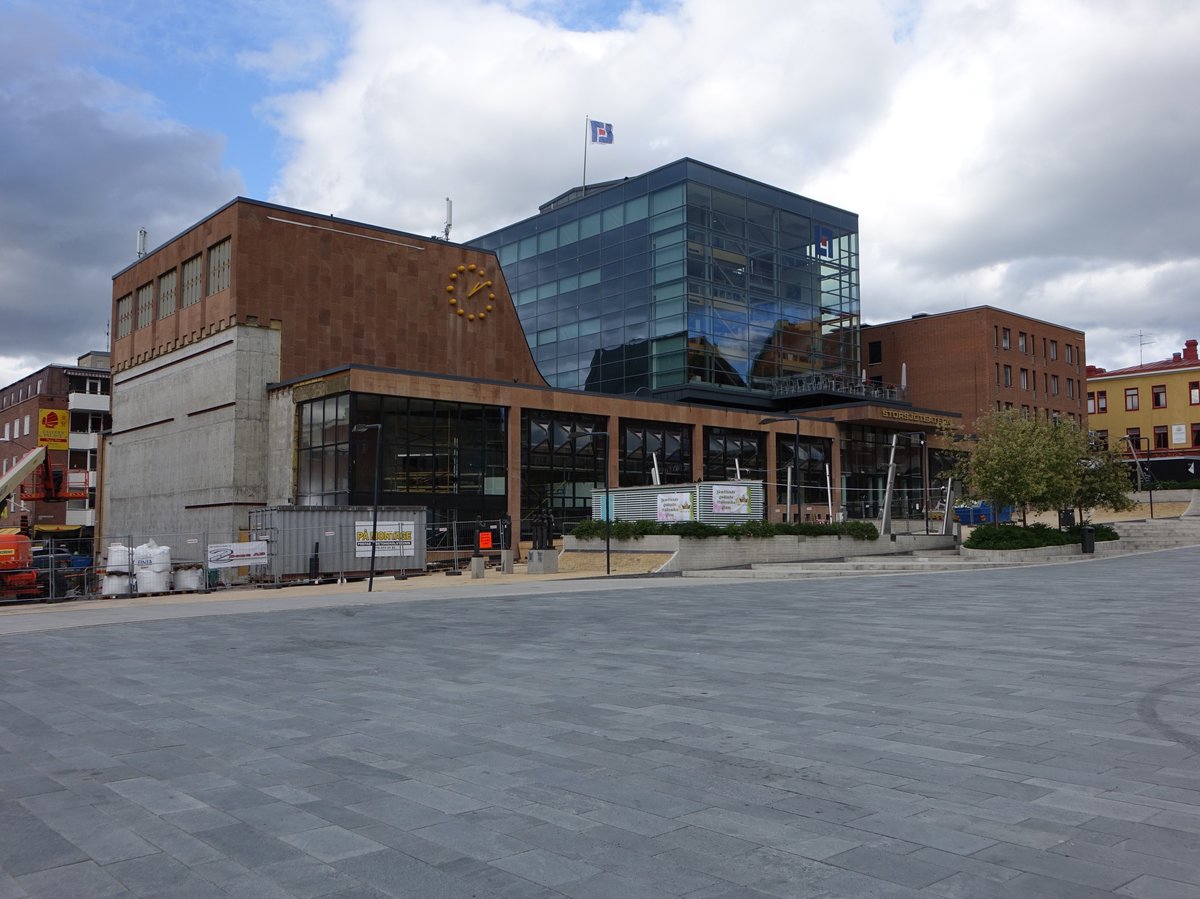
<point>1152,411</point>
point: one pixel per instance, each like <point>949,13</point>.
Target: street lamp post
<point>795,463</point>
<point>378,429</point>
<point>1137,465</point>
<point>607,502</point>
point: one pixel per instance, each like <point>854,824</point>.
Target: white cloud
<point>996,152</point>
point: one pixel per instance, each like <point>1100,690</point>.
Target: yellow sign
<point>53,428</point>
<point>917,417</point>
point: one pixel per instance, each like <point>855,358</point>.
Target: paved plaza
<point>1024,732</point>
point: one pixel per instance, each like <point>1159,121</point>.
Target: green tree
<point>1104,482</point>
<point>1038,465</point>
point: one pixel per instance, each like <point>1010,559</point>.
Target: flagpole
<point>587,121</point>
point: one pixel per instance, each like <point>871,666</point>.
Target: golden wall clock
<point>469,291</point>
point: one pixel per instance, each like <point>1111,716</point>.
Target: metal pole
<point>796,519</point>
<point>925,479</point>
<point>607,510</point>
<point>375,510</point>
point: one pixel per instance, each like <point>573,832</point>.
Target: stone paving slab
<point>1024,732</point>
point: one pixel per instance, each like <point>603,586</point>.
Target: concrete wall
<point>695,554</point>
<point>188,452</point>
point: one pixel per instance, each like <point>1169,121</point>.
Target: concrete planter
<point>696,554</point>
<point>1037,554</point>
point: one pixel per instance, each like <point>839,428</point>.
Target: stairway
<point>1150,534</point>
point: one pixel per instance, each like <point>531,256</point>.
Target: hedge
<point>1014,536</point>
<point>632,530</point>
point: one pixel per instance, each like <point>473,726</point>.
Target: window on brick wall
<point>874,352</point>
<point>1024,379</point>
<point>1054,349</point>
<point>1054,385</point>
<point>166,294</point>
<point>1158,396</point>
<point>145,305</point>
<point>193,281</point>
<point>219,259</point>
<point>124,316</point>
<point>1021,341</point>
<point>1005,338</point>
<point>1008,376</point>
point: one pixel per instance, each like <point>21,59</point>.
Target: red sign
<point>485,539</point>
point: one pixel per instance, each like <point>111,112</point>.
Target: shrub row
<point>632,530</point>
<point>1013,536</point>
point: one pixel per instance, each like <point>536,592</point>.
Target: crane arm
<point>11,479</point>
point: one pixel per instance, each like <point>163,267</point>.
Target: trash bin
<point>1087,535</point>
<point>1066,518</point>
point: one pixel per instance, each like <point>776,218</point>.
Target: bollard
<point>506,561</point>
<point>477,563</point>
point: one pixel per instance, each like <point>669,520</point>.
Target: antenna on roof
<point>141,243</point>
<point>1144,340</point>
<point>449,219</point>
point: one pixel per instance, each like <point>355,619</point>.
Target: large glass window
<point>449,457</point>
<point>803,465</point>
<point>562,461</point>
<point>644,444</point>
<point>729,453</point>
<point>323,451</point>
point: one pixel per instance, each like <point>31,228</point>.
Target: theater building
<point>654,322</point>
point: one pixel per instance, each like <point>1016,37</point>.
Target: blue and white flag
<point>602,133</point>
<point>824,241</point>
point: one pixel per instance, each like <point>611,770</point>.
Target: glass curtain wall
<point>684,273</point>
<point>642,442</point>
<point>561,463</point>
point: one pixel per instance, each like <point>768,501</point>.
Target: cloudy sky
<point>1041,157</point>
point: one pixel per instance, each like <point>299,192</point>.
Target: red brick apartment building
<point>64,408</point>
<point>982,359</point>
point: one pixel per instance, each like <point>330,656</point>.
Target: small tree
<point>1103,482</point>
<point>1005,466</point>
<point>1038,464</point>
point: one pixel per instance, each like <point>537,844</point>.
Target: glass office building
<point>687,282</point>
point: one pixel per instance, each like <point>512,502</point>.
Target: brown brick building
<point>982,359</point>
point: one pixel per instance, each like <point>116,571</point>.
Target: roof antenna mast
<point>449,219</point>
<point>1144,340</point>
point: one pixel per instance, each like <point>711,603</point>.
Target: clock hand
<point>474,290</point>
